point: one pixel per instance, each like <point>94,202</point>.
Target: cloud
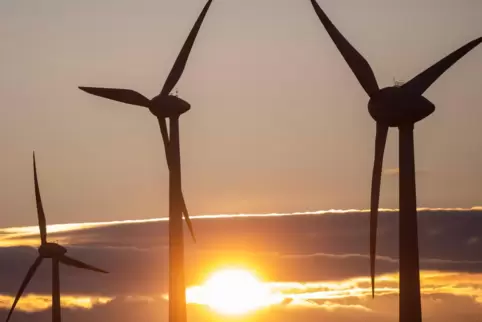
<point>446,296</point>
<point>71,233</point>
<point>40,302</point>
<point>432,282</point>
<point>317,261</point>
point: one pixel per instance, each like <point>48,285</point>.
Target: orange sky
<point>318,273</point>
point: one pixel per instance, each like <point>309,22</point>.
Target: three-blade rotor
<point>366,77</point>
<point>43,238</point>
<point>132,97</point>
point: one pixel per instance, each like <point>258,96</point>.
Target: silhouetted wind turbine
<point>49,250</point>
<point>169,106</point>
<point>397,106</point>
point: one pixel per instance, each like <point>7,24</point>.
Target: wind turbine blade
<point>181,60</point>
<point>127,96</point>
<point>165,139</point>
<point>360,67</point>
<point>186,217</point>
<point>42,223</point>
<point>420,83</point>
<point>25,282</point>
<point>76,263</point>
<point>380,141</point>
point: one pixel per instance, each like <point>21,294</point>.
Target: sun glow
<point>233,292</point>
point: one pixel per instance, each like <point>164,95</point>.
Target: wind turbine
<point>48,250</point>
<point>397,106</point>
<point>169,106</point>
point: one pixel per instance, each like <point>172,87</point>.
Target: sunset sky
<point>310,267</point>
<point>278,125</point>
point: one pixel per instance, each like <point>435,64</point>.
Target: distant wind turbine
<point>397,106</point>
<point>49,250</point>
<point>169,106</point>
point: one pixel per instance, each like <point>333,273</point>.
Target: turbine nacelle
<point>395,106</point>
<point>168,106</point>
<point>51,250</point>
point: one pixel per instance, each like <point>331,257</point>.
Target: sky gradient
<point>278,122</point>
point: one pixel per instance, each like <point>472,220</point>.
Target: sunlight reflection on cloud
<point>40,302</point>
<point>332,295</point>
<point>19,236</point>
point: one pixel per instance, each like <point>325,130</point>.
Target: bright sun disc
<point>234,292</point>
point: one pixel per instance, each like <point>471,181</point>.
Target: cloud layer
<point>316,263</point>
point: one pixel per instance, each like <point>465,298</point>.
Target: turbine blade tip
<point>85,88</point>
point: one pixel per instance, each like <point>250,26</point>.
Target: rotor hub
<point>168,106</point>
<point>51,250</point>
<point>396,107</point>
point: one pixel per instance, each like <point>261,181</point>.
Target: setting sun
<point>233,291</point>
